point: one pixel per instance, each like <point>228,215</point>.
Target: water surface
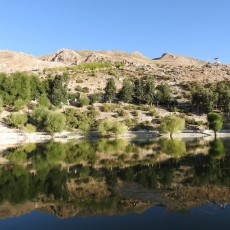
<point>116,184</point>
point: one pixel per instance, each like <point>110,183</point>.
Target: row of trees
<point>141,91</point>
<point>209,98</point>
<point>20,88</point>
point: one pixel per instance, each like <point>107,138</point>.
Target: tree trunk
<point>215,134</point>
<point>171,135</point>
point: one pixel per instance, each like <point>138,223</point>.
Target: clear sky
<point>195,28</point>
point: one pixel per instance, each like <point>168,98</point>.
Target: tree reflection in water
<point>91,171</point>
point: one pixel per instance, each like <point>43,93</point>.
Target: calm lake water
<point>116,184</point>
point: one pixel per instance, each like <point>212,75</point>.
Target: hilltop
<point>167,67</point>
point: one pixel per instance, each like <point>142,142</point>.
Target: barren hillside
<point>168,67</point>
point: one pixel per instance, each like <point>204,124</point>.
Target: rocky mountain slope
<point>11,61</point>
<point>167,67</point>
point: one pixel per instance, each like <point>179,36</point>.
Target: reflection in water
<point>114,176</point>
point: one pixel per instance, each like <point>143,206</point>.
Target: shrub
<point>19,104</point>
<point>17,119</point>
<point>39,116</point>
<point>55,122</point>
<point>135,113</point>
<point>109,128</point>
<point>121,113</point>
<point>83,101</point>
<point>30,128</point>
<point>96,97</point>
<point>44,100</point>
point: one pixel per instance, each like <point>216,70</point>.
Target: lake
<point>116,184</point>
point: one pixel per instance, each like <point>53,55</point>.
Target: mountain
<point>168,67</point>
<point>11,61</point>
<point>177,60</point>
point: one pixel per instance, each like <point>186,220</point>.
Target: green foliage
<point>85,121</point>
<point>139,91</point>
<point>126,92</point>
<point>44,101</point>
<point>206,99</point>
<point>18,120</point>
<point>108,107</point>
<point>39,116</point>
<point>110,128</point>
<point>163,94</point>
<point>215,121</point>
<point>55,122</point>
<point>150,91</point>
<point>30,128</point>
<point>18,155</point>
<point>91,66</point>
<point>96,97</point>
<point>58,90</point>
<point>110,90</point>
<point>119,64</point>
<point>172,147</point>
<point>19,104</point>
<point>217,150</point>
<point>1,104</point>
<point>172,124</point>
<point>83,101</point>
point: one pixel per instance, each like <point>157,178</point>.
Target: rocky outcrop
<point>66,56</point>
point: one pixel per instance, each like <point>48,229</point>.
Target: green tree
<point>1,103</point>
<point>139,91</point>
<point>59,93</point>
<point>36,87</point>
<point>150,91</point>
<point>204,99</point>
<point>126,92</point>
<point>172,124</point>
<point>215,122</point>
<point>110,90</point>
<point>163,94</point>
<point>226,102</point>
<point>55,122</point>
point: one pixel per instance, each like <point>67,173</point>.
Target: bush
<point>130,122</point>
<point>30,128</point>
<point>55,122</point>
<point>96,97</point>
<point>121,113</point>
<point>83,101</point>
<point>19,104</point>
<point>44,100</point>
<point>135,113</point>
<point>109,128</point>
<point>17,119</point>
<point>39,116</point>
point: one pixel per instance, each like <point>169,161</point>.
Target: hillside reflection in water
<point>115,178</point>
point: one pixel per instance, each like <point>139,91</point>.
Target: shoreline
<point>16,137</point>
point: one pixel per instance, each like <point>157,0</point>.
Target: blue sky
<point>195,28</point>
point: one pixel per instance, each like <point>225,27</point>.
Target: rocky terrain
<point>167,67</point>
